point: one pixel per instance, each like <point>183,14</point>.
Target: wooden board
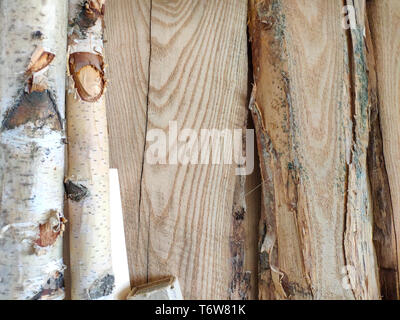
<point>127,53</point>
<point>179,219</point>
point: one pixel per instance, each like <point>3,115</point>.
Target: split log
<point>311,106</point>
<point>87,181</point>
<point>32,94</point>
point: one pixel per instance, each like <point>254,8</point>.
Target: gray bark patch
<point>52,286</point>
<point>102,287</point>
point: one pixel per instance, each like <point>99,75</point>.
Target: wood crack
<point>350,53</point>
<point>144,145</point>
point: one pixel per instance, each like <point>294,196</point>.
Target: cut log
<point>87,180</point>
<point>311,109</point>
<point>384,19</point>
<point>32,101</point>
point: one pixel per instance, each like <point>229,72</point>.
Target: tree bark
<point>87,180</point>
<point>32,94</point>
<point>311,107</point>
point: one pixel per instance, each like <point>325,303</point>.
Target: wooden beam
<point>198,78</point>
<point>128,51</point>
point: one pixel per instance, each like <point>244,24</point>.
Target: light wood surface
<point>128,52</point>
<point>178,219</point>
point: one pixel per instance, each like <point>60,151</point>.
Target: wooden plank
<point>384,19</point>
<point>128,52</point>
<point>198,78</point>
<point>316,223</point>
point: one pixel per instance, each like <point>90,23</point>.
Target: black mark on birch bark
<point>37,35</point>
<point>76,192</point>
<point>38,108</point>
<point>53,285</point>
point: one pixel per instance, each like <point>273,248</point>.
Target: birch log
<point>311,108</point>
<point>87,181</point>
<point>32,93</point>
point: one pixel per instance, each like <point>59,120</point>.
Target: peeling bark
<point>87,71</point>
<point>32,91</point>
<point>279,169</point>
<point>358,243</point>
<point>89,14</point>
<point>88,160</point>
<point>40,60</point>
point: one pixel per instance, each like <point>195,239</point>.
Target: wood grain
<point>198,78</point>
<point>316,223</point>
<point>128,52</point>
<point>385,29</point>
<point>179,218</point>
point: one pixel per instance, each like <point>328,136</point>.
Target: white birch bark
<point>32,86</point>
<point>87,180</point>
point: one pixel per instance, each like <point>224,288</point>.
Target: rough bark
<point>32,94</point>
<point>359,248</point>
<point>311,109</point>
<point>87,180</point>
